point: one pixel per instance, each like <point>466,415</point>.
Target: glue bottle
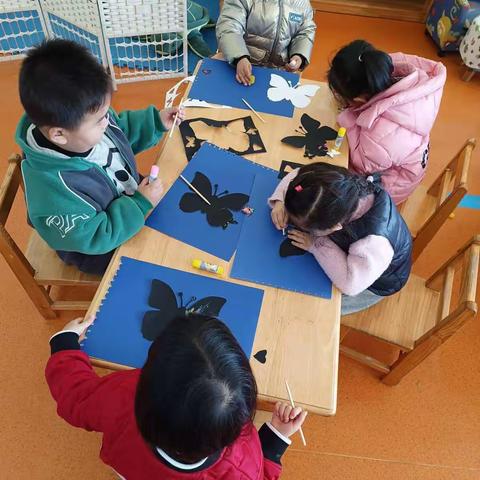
<point>340,136</point>
<point>208,267</point>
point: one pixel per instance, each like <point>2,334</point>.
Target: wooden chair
<point>39,268</point>
<point>426,210</point>
<point>419,318</point>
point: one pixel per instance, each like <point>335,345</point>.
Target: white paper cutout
<point>193,102</point>
<point>332,153</point>
<point>281,89</point>
<point>172,93</point>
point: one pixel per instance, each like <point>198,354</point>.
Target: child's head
<point>196,390</point>
<point>359,71</point>
<point>66,92</point>
<point>323,197</point>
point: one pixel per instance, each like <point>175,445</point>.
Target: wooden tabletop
<point>299,332</point>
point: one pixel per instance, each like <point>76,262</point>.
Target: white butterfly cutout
<point>281,89</point>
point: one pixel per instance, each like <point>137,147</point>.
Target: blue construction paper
<point>215,83</point>
<point>116,334</point>
<point>257,258</point>
<point>231,172</point>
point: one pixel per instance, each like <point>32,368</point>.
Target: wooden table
<point>299,332</point>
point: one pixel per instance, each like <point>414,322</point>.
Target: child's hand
<point>287,420</point>
<point>294,64</point>
<point>79,326</point>
<point>151,191</point>
<point>300,239</point>
<point>279,215</point>
<point>244,71</point>
<point>167,116</point>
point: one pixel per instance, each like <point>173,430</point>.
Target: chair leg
<point>408,361</point>
<point>468,74</point>
<point>24,273</point>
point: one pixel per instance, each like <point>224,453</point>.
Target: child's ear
<point>56,135</point>
<point>337,227</point>
<point>359,100</point>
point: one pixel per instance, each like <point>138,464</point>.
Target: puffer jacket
<point>270,32</point>
<point>391,132</point>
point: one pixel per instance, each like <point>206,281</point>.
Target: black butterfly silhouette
<point>287,249</point>
<point>313,137</point>
<point>218,212</point>
<point>163,299</point>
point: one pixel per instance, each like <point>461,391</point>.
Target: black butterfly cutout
<point>287,249</point>
<point>313,137</point>
<point>286,167</point>
<point>219,211</point>
<point>163,299</point>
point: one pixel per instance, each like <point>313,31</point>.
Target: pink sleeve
<point>354,272</point>
<point>281,190</point>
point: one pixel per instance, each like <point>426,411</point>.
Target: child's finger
<point>298,421</point>
<point>286,414</point>
<point>281,410</point>
<point>295,412</point>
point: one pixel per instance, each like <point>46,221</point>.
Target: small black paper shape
<point>312,136</point>
<point>192,143</point>
<point>287,249</point>
<point>286,167</point>
<point>219,211</point>
<point>261,356</point>
<point>163,299</point>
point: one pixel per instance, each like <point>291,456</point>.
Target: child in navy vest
<point>351,226</point>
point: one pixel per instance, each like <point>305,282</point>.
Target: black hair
<point>61,81</point>
<point>322,195</point>
<point>360,69</point>
<point>196,390</point>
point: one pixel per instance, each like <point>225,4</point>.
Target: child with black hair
<point>391,103</point>
<point>352,228</point>
<point>186,414</point>
<point>84,194</point>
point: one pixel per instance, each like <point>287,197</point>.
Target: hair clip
<point>298,188</point>
<point>360,59</point>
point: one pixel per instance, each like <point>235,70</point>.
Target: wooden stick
<point>251,108</point>
<point>293,406</point>
<point>174,121</point>
<point>173,125</point>
<point>194,189</point>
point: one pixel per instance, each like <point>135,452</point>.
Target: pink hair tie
<point>298,188</point>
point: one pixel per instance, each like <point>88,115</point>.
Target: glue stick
<point>153,173</point>
<point>340,137</point>
<point>208,267</point>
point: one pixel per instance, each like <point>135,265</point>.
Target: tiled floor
<point>428,427</point>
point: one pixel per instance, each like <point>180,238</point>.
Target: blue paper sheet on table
<point>258,251</point>
<point>118,332</point>
<point>183,214</point>
<point>215,83</point>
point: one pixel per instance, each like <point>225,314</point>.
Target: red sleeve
<point>83,398</point>
<point>271,470</point>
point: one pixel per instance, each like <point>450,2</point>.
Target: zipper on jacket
<point>280,15</point>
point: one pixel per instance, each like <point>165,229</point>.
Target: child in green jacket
<point>84,194</point>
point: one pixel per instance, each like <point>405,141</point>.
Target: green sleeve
<point>143,128</point>
<point>92,232</point>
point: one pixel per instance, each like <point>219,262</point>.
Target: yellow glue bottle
<point>208,267</point>
<point>340,136</point>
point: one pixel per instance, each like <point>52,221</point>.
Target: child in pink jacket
<point>391,105</point>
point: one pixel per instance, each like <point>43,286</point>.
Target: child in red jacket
<point>186,414</point>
